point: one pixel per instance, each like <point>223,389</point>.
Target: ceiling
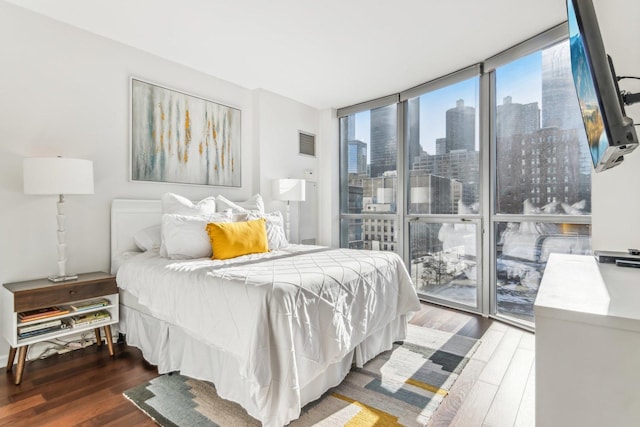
<point>323,53</point>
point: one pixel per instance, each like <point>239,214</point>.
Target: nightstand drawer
<point>41,293</point>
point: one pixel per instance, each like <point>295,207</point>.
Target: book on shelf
<point>90,318</point>
<point>42,331</point>
<point>41,313</point>
<point>90,304</point>
<point>40,325</point>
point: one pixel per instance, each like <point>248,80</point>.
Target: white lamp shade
<point>291,190</point>
<point>57,175</point>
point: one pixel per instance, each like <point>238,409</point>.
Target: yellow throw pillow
<point>232,239</point>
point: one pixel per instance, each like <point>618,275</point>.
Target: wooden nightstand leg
<point>107,332</point>
<point>98,337</point>
<point>22,356</point>
<point>11,358</point>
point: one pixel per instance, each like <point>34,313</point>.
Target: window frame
<point>487,218</point>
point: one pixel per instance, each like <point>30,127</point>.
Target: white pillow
<point>176,204</point>
<point>148,238</point>
<point>276,237</point>
<point>253,204</point>
<point>186,237</point>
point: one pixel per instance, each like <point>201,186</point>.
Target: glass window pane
<point>378,234</point>
<point>443,261</point>
<point>442,150</point>
<point>369,178</point>
<point>522,252</point>
<point>542,156</point>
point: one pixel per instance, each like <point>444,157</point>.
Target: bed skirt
<point>172,350</point>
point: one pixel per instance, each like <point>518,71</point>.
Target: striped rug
<point>401,387</point>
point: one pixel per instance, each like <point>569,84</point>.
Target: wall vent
<point>307,143</point>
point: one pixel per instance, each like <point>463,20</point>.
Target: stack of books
<point>90,304</point>
<point>89,318</point>
<point>41,328</point>
<point>41,313</point>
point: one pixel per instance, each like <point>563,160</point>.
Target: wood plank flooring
<point>84,387</point>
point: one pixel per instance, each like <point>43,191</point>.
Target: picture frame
<point>181,138</point>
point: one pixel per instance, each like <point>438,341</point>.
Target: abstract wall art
<point>181,138</point>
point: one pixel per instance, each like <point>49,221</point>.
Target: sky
<point>520,79</point>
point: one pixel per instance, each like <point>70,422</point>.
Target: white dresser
<point>587,344</point>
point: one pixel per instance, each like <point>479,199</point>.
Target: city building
<point>383,144</point>
<point>461,127</point>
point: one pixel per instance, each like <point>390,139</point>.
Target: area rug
<point>400,387</point>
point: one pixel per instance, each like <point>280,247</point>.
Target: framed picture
<point>182,138</point>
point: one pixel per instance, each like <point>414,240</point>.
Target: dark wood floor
<point>84,387</point>
<point>79,388</point>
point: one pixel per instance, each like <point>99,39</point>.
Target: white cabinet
<point>587,344</point>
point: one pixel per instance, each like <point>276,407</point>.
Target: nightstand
<point>41,294</point>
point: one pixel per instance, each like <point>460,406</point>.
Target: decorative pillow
<point>233,239</point>
<point>276,236</point>
<point>185,237</point>
<point>252,204</point>
<point>148,238</point>
<point>176,204</point>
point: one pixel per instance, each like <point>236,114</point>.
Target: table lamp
<point>289,190</point>
<point>58,175</point>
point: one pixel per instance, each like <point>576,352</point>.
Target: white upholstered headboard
<point>129,216</point>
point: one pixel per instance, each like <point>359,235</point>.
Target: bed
<point>271,331</point>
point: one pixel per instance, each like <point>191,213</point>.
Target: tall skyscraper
<point>357,157</point>
<point>461,127</point>
<point>516,119</point>
<point>413,129</point>
<point>383,148</point>
<point>559,101</point>
<point>351,127</point>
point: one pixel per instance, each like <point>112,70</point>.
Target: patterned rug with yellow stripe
<point>401,387</point>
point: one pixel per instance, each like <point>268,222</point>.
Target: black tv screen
<point>610,133</point>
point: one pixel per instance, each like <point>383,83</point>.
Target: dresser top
<point>578,288</point>
<point>43,283</point>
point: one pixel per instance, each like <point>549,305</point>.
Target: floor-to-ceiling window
<point>542,179</point>
<point>369,177</point>
<point>474,178</point>
<point>442,160</point>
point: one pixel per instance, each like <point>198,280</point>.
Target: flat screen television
<point>610,133</point>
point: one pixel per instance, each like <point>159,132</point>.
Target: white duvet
<point>285,317</point>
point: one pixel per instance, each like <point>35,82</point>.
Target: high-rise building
<point>357,157</point>
<point>462,166</point>
<point>430,194</point>
<point>461,127</point>
<point>412,131</point>
<point>559,101</point>
<point>541,167</point>
<point>383,145</point>
<point>441,146</point>
<point>516,119</point>
<point>351,127</point>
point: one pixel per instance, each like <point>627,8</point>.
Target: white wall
<point>328,195</point>
<point>616,192</point>
<point>278,122</point>
<point>65,92</point>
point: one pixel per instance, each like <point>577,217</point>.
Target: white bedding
<point>283,318</point>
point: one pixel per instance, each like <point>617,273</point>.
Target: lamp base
<point>66,277</point>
